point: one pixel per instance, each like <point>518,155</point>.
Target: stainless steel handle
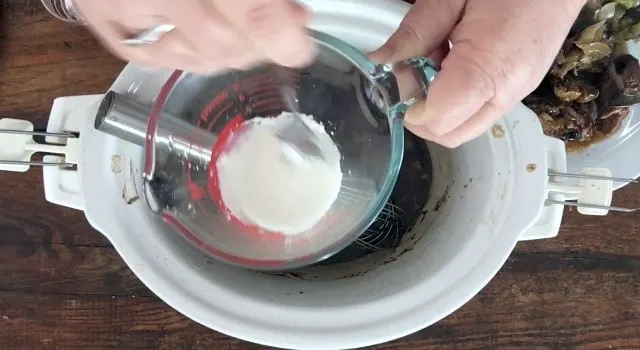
<point>126,119</point>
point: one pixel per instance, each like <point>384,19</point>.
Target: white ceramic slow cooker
<point>486,196</point>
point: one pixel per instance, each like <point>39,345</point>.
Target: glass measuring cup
<point>359,103</point>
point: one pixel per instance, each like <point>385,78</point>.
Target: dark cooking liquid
<point>409,194</point>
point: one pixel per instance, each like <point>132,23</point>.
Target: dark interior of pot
<point>402,211</point>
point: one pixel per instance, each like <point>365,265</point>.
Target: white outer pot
<point>486,195</point>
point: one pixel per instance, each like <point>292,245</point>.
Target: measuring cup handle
<point>413,78</point>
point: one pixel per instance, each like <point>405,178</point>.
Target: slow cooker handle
<point>548,222</point>
<point>62,186</point>
<point>530,167</point>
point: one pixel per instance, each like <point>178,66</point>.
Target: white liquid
<point>261,186</point>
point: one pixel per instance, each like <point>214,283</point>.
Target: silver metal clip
<point>594,192</point>
<point>18,146</point>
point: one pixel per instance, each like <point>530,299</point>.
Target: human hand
<point>500,52</point>
<point>209,34</point>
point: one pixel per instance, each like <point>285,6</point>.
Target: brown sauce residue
<point>577,147</point>
<point>606,132</point>
<point>497,131</point>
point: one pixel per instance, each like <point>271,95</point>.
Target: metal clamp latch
<point>18,146</point>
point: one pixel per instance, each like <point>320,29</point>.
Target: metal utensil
<point>149,35</point>
<point>594,192</point>
<point>593,206</point>
<point>126,119</point>
<point>296,136</point>
<point>18,146</point>
<point>595,177</point>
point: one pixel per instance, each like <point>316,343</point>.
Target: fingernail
<point>421,115</point>
<point>381,55</point>
<point>428,116</point>
<point>418,114</point>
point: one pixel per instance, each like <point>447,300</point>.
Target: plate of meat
<point>589,98</point>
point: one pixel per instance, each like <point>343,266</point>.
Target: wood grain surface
<point>63,286</point>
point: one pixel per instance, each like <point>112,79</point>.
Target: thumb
<point>421,32</point>
<point>490,68</point>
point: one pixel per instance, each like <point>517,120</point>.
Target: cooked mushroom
<point>593,80</point>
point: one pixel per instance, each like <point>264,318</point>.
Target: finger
<point>300,13</point>
<point>490,68</point>
<point>472,128</point>
<point>115,20</point>
<point>229,48</point>
<point>475,126</point>
<point>172,50</point>
<point>208,31</point>
<point>421,131</point>
<point>273,28</point>
<point>438,55</point>
<point>421,31</point>
<point>461,88</point>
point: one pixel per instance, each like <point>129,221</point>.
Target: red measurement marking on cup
<point>216,101</point>
<point>195,192</point>
<point>220,145</point>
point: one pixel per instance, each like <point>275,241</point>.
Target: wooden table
<point>62,285</point>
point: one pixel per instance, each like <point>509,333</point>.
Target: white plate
<point>619,153</point>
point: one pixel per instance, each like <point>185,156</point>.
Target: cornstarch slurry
<point>262,187</point>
